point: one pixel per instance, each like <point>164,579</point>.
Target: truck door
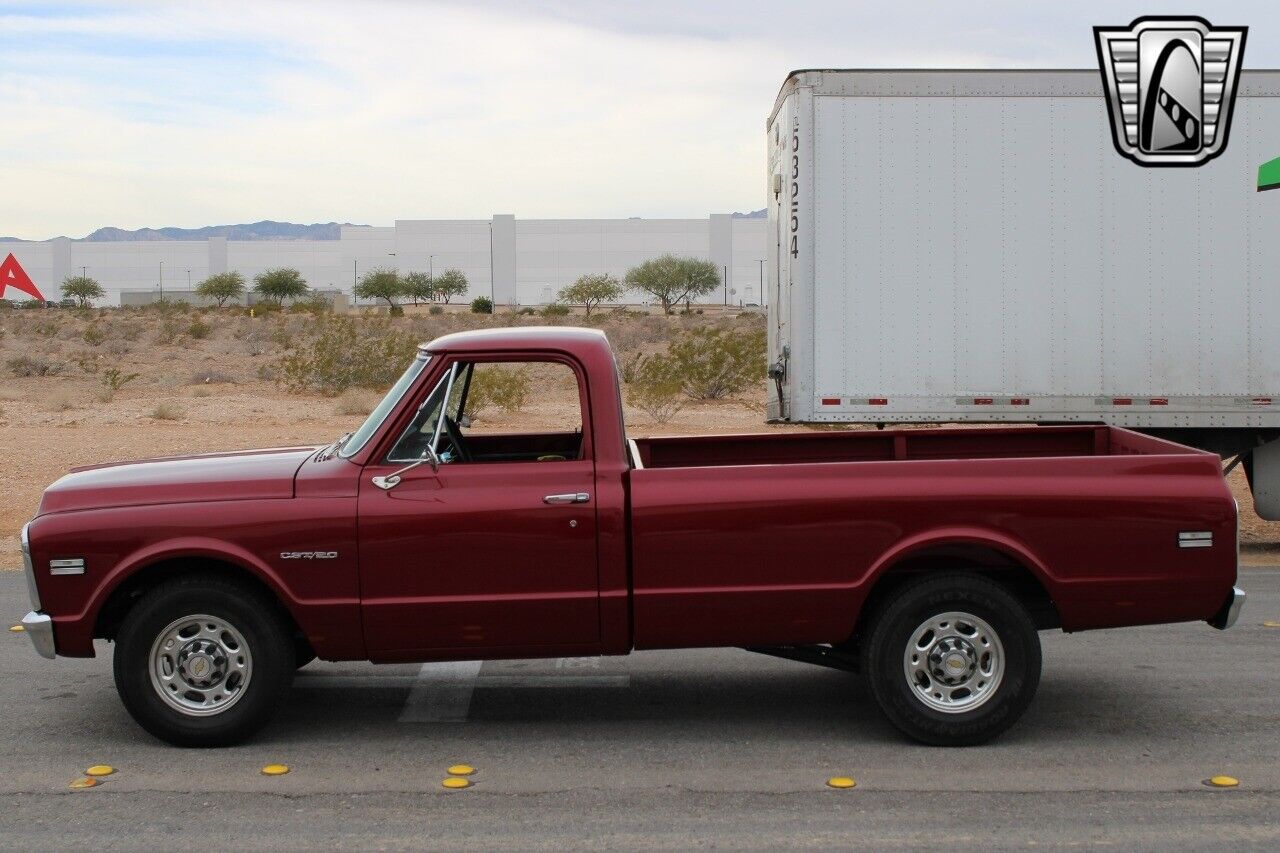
<point>491,543</point>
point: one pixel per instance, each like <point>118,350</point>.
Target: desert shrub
<point>526,312</point>
<point>198,329</point>
<point>45,328</point>
<point>268,373</point>
<point>655,386</point>
<point>341,354</point>
<point>316,304</point>
<point>555,310</point>
<point>170,330</point>
<point>87,362</point>
<point>715,362</point>
<point>25,365</point>
<point>201,391</point>
<point>6,304</point>
<point>356,403</point>
<point>497,387</point>
<point>32,303</point>
<point>114,378</point>
<point>435,310</point>
<point>131,331</point>
<point>482,305</point>
<point>167,411</point>
<point>94,335</point>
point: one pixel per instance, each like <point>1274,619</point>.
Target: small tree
<point>450,283</point>
<point>279,284</point>
<point>221,287</point>
<point>672,280</point>
<point>590,290</point>
<point>82,289</point>
<point>419,287</point>
<point>381,284</point>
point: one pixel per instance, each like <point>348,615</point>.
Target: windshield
<point>361,436</point>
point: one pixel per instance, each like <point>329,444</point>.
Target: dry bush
<point>25,365</point>
<point>201,391</point>
<point>495,386</point>
<point>715,362</point>
<point>341,353</point>
<point>113,378</point>
<point>94,335</point>
<point>167,411</point>
<point>198,329</point>
<point>356,403</point>
<point>655,386</point>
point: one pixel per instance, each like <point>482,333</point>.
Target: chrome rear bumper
<point>39,628</point>
<point>1230,612</point>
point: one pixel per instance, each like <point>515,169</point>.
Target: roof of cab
<point>564,338</point>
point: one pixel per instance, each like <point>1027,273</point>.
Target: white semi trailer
<point>969,246</point>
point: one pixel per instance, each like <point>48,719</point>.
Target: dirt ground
<point>206,395</point>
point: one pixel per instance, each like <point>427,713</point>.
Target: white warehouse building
<point>514,261</point>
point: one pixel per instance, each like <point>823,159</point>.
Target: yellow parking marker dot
<point>16,629</point>
<point>1222,782</point>
<point>461,770</point>
<point>841,782</point>
<point>275,770</point>
<point>100,770</point>
<point>86,782</point>
<point>455,782</point>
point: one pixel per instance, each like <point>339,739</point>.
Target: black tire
<point>243,608</point>
<point>890,633</point>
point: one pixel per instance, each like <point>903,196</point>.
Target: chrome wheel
<point>200,665</point>
<point>954,662</point>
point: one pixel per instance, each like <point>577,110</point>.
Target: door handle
<point>571,498</point>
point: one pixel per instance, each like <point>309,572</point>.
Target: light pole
<point>162,281</point>
<point>188,279</point>
<point>760,295</point>
<point>355,266</point>
<point>725,278</point>
<point>431,267</point>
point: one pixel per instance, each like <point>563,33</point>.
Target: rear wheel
<point>203,661</point>
<point>952,660</point>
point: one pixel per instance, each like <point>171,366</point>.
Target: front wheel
<point>201,661</point>
<point>952,660</point>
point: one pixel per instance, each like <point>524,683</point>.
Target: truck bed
<point>1019,442</point>
<point>777,534</point>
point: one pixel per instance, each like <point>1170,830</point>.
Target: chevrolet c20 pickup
<point>927,560</point>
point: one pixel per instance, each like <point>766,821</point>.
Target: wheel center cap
<point>200,665</point>
<point>953,660</point>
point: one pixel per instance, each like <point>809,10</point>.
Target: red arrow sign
<point>13,275</point>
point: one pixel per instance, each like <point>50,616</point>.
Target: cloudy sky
<point>188,114</point>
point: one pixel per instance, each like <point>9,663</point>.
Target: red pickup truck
<point>927,560</point>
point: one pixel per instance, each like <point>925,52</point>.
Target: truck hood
<point>244,475</point>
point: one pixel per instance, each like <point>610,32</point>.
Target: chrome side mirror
<point>390,481</point>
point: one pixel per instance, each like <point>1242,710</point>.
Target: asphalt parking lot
<point>667,749</point>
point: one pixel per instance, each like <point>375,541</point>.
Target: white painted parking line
<point>442,692</point>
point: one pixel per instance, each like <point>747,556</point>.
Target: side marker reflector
<point>841,782</point>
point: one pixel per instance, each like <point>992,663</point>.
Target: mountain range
<point>264,230</point>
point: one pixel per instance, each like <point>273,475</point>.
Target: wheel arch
<point>134,577</point>
<point>992,556</point>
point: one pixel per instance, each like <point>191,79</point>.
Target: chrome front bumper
<point>1230,612</point>
<point>40,629</point>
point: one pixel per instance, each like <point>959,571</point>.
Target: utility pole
<point>355,266</point>
<point>162,281</point>
<point>760,296</point>
<point>431,268</point>
<point>188,279</point>
<point>725,280</point>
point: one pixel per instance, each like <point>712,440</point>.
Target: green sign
<point>1269,175</point>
